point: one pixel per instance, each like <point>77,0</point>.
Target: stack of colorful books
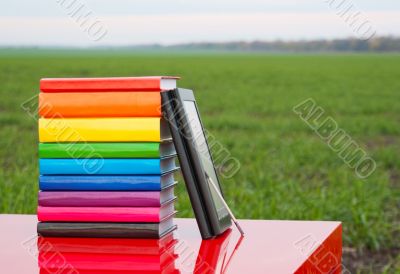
<point>107,159</point>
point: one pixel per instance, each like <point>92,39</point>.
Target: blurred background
<point>250,63</point>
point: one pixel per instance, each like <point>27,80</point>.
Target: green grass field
<point>246,101</point>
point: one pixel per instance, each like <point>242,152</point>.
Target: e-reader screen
<point>200,142</point>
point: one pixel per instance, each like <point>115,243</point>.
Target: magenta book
<point>105,198</point>
<point>105,214</point>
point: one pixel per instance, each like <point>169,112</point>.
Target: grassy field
<point>246,101</point>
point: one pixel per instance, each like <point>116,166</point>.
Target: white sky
<point>127,22</point>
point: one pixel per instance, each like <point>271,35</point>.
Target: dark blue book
<point>110,182</point>
<point>106,166</point>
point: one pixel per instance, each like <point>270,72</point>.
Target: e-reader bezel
<point>191,164</point>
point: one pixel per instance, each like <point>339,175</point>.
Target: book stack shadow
<point>107,159</point>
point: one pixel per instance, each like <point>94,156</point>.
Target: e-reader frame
<point>212,221</point>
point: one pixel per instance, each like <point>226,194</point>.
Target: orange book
<point>149,83</point>
<point>100,104</point>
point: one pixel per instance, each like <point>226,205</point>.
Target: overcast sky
<point>127,22</point>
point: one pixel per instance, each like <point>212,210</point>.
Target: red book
<point>149,83</point>
<point>105,214</point>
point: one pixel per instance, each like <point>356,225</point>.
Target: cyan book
<point>100,166</point>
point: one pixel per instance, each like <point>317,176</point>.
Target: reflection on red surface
<point>106,255</point>
<point>212,257</point>
<point>96,255</point>
<point>268,247</point>
<point>106,245</point>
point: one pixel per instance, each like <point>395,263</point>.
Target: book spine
<point>100,183</point>
<point>101,150</point>
<point>99,230</point>
<point>99,166</point>
<point>100,84</point>
<point>99,130</point>
<point>100,104</point>
<point>98,214</point>
<point>99,199</point>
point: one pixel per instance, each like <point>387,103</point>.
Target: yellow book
<point>103,130</point>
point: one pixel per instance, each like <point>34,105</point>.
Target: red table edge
<point>327,258</point>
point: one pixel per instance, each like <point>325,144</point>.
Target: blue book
<point>106,166</point>
<point>110,182</point>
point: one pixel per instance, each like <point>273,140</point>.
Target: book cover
<point>105,198</point>
<point>106,182</point>
<point>99,166</point>
<point>106,150</point>
<point>103,130</point>
<point>150,83</point>
<point>100,104</point>
<point>112,230</point>
<point>105,214</point>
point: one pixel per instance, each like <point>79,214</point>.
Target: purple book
<point>105,198</point>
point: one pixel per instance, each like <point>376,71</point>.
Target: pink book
<point>105,214</point>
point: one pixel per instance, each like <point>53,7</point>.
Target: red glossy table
<point>267,247</point>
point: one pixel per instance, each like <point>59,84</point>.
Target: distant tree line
<point>376,44</point>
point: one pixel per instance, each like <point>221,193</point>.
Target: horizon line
<point>166,45</point>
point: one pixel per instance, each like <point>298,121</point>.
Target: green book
<point>106,150</point>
